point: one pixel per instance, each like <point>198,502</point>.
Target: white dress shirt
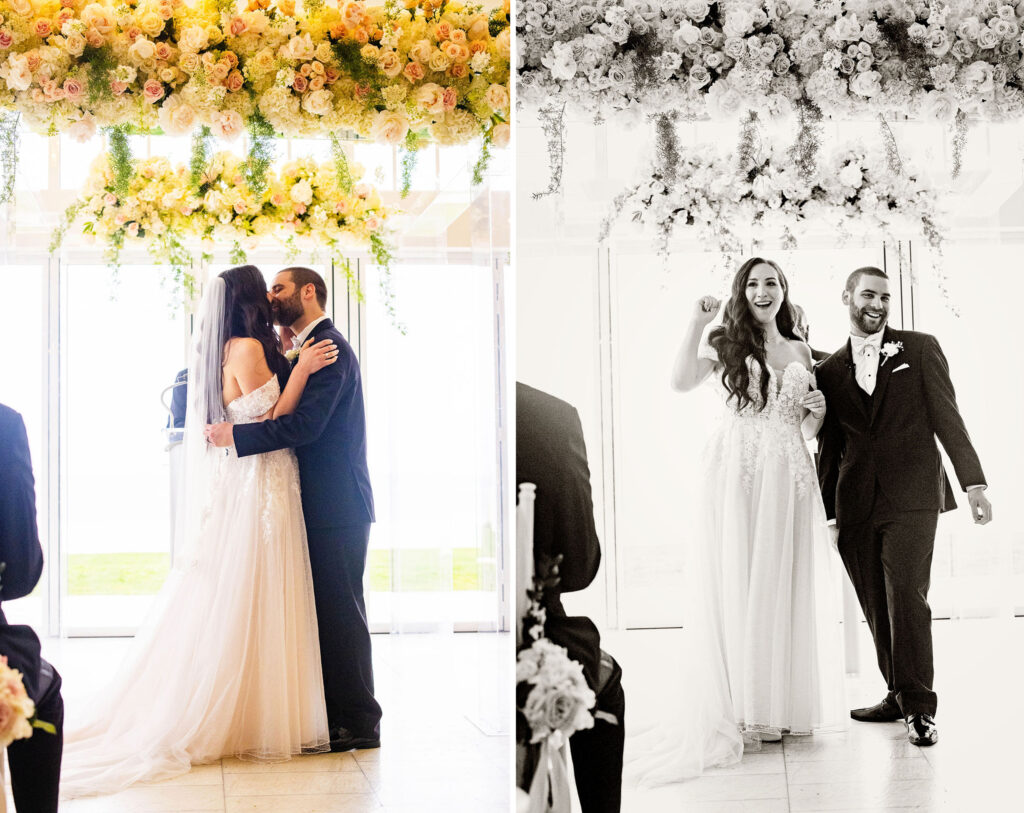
<point>866,350</point>
<point>297,341</point>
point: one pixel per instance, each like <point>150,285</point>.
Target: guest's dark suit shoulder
<point>19,538</point>
<point>551,453</point>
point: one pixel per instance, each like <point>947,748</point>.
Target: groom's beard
<point>866,324</point>
<point>287,312</point>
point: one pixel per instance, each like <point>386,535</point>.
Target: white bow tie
<point>859,343</point>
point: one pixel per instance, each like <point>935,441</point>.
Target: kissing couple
<point>770,661</point>
<point>257,645</point>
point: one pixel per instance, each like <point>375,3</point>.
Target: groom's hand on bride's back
<point>219,434</point>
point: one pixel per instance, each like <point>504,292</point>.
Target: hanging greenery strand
<point>9,156</point>
<point>804,151</point>
<point>341,169</point>
<point>892,152</point>
<point>261,153</point>
<point>201,146</point>
<point>552,121</point>
<point>959,140</point>
<point>120,152</point>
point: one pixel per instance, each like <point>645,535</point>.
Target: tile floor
<point>976,766</point>
<point>445,747</point>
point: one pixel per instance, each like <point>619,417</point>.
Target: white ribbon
<point>549,790</point>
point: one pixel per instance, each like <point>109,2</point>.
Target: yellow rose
<point>150,23</point>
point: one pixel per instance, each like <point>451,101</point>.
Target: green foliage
<point>99,62</point>
<point>168,249</point>
<point>9,156</point>
<point>480,167</point>
<point>413,143</point>
<point>201,139</point>
<point>351,62</point>
<point>120,156</point>
<point>237,256</point>
<point>261,153</point>
<point>70,216</point>
<point>341,168</point>
<point>383,255</point>
<point>497,23</point>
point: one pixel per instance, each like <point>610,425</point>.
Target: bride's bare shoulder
<point>242,350</point>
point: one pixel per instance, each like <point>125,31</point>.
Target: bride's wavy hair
<point>247,314</point>
<point>739,337</point>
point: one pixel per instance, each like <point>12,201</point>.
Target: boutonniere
<point>292,355</point>
<point>890,349</point>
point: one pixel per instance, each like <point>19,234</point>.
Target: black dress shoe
<point>921,729</point>
<point>344,740</point>
<point>884,712</point>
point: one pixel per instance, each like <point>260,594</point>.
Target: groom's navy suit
<point>328,432</point>
<point>35,762</point>
<point>883,481</point>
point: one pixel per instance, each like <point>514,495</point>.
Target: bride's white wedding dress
<point>766,656</point>
<point>228,660</point>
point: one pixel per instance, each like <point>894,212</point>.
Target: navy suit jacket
<point>328,432</point>
<point>20,550</point>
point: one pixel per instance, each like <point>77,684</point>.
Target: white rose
<point>19,77</point>
<point>686,34</point>
<point>299,47</point>
<point>847,29</point>
<point>560,61</point>
<point>867,84</point>
<point>176,116</point>
<point>141,50</point>
<point>302,193</point>
<point>430,97</point>
<point>318,102</point>
<point>979,74</point>
<point>939,106</point>
<point>390,126</point>
<point>739,21</point>
<point>22,7</point>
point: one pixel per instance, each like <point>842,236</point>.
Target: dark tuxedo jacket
<point>888,438</point>
<point>328,432</point>
<point>552,454</point>
<point>20,550</point>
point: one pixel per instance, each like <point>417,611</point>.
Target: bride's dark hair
<point>247,313</point>
<point>739,337</point>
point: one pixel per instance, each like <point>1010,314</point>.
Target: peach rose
<point>220,71</point>
<point>118,87</point>
<point>352,14</point>
<point>22,7</point>
<point>332,75</point>
<point>152,91</point>
<point>94,38</point>
<point>421,51</point>
<point>299,83</point>
<point>286,7</point>
<point>413,71</point>
<point>133,33</point>
<point>237,26</point>
<point>458,70</point>
<point>96,17</point>
<point>42,28</point>
<point>164,51</point>
<point>478,28</point>
<point>6,38</point>
<point>317,83</point>
<point>306,69</point>
<point>501,135</point>
<point>442,31</point>
<point>390,63</point>
<point>450,98</point>
<point>229,58</point>
<point>477,47</point>
<point>235,81</point>
<point>109,199</point>
<point>361,36</point>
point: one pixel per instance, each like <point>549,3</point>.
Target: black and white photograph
<point>766,449</point>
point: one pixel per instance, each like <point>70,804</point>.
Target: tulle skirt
<point>228,660</point>
<point>764,653</point>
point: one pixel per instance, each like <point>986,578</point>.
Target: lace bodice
<point>246,408</point>
<point>772,432</point>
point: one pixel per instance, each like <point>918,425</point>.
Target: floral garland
<point>732,201</point>
<point>433,71</point>
<point>168,207</point>
<point>553,702</point>
<point>859,57</point>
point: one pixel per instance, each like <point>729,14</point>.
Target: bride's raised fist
<point>707,309</point>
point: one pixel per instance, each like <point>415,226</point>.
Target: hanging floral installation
<point>761,194</point>
<point>942,61</point>
<point>406,74</point>
<point>172,209</point>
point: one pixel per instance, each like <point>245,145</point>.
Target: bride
<point>228,660</point>
<point>767,660</point>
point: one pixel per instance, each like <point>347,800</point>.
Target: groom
<point>328,432</point>
<point>889,396</point>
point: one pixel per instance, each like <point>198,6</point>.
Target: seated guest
<point>550,452</point>
<point>34,762</point>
